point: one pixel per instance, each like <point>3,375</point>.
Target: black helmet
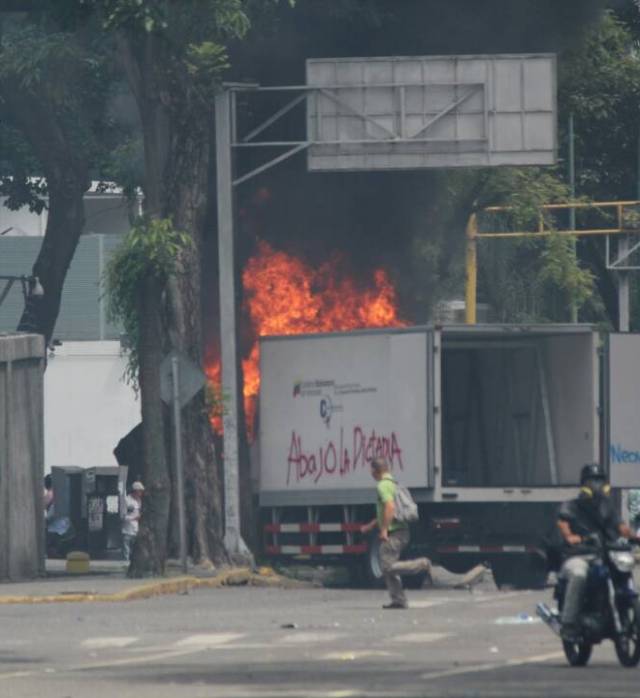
<point>591,471</point>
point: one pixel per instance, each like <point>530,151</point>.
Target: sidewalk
<point>107,582</point>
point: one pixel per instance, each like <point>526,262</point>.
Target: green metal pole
<point>572,194</point>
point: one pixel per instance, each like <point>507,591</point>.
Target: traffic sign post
<point>180,381</point>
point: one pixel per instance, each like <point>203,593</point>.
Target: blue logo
<point>619,454</point>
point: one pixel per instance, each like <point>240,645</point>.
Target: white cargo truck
<point>489,426</point>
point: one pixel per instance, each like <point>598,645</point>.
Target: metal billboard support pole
<point>471,271</point>
<point>177,424</point>
<point>623,287</point>
<point>224,174</point>
<point>572,194</point>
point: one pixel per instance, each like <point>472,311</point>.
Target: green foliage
<point>19,168</point>
<point>65,77</point>
<point>561,269</point>
<point>39,60</point>
<point>523,190</point>
<point>600,84</point>
<point>151,248</point>
<point>530,279</point>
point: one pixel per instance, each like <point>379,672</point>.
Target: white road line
<point>420,637</point>
<point>211,640</point>
<point>140,659</point>
<point>473,669</point>
<point>353,655</point>
<point>16,674</point>
<point>307,638</point>
<point>428,603</point>
<point>101,643</point>
<point>500,596</point>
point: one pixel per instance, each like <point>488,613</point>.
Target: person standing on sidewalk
<point>131,520</point>
<point>394,537</point>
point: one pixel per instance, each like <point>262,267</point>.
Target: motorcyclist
<point>591,512</point>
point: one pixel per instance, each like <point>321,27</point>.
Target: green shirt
<point>386,490</point>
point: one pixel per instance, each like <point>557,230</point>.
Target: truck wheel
<point>457,564</point>
<point>502,574</point>
<point>414,581</point>
<point>520,572</point>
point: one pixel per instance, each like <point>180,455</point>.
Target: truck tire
<point>414,581</point>
<point>519,571</point>
<point>458,564</point>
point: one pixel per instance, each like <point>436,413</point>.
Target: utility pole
<point>226,261</point>
<point>624,279</point>
<point>572,211</point>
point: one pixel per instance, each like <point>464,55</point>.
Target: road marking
<point>140,659</point>
<point>523,619</point>
<point>16,674</point>
<point>477,668</point>
<point>428,603</point>
<point>420,637</point>
<point>302,638</point>
<point>101,643</point>
<point>211,640</point>
<point>500,596</point>
<point>353,655</point>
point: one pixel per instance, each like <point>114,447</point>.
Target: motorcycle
<point>610,608</point>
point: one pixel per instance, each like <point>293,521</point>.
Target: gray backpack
<point>406,510</point>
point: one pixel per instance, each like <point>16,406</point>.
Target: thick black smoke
<point>375,217</point>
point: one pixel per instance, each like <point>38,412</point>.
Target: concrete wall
<point>88,406</point>
<point>21,456</point>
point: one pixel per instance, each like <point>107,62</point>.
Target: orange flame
<point>284,295</point>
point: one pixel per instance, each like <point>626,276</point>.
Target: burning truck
<point>488,425</point>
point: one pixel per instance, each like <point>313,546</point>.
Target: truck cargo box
<point>475,412</point>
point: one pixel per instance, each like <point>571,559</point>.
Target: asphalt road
<point>250,642</point>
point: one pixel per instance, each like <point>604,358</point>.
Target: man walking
<point>394,537</point>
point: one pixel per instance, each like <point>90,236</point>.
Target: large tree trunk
<point>176,181</point>
<point>150,552</point>
<point>64,227</point>
<point>187,203</point>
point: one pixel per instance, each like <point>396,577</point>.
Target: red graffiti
<point>332,459</point>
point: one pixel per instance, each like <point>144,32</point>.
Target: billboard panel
<point>624,410</point>
<point>329,404</point>
<point>431,111</point>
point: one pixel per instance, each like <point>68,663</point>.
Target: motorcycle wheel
<point>577,653</point>
<point>628,644</point>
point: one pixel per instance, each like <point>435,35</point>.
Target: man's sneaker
<point>395,605</point>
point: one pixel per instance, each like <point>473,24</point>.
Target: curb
<point>178,585</point>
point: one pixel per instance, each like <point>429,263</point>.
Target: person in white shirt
<point>131,520</point>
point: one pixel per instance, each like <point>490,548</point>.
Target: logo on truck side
<point>619,454</point>
<point>327,408</point>
<point>315,387</point>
